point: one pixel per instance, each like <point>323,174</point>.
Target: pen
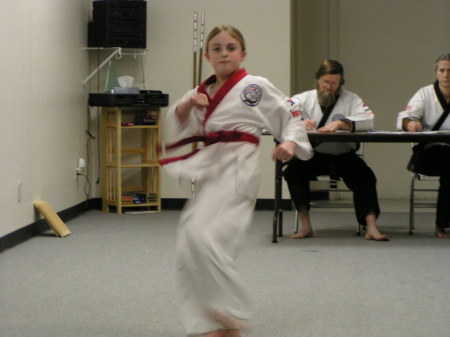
<point>413,118</point>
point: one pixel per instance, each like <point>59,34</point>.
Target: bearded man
<point>329,108</point>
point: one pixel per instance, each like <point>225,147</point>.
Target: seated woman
<point>428,110</point>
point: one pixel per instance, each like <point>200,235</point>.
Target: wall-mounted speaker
<point>118,24</point>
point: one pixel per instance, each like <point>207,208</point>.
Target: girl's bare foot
<point>231,324</point>
<point>230,333</point>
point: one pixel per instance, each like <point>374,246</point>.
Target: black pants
<point>355,173</point>
<point>437,159</point>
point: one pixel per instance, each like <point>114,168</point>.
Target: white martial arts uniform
<point>214,222</point>
<point>425,106</point>
<point>335,158</point>
<point>349,107</point>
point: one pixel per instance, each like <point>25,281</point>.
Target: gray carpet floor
<point>114,277</point>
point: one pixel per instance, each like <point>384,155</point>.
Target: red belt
<point>209,139</point>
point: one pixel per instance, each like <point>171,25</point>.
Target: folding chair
<point>429,182</point>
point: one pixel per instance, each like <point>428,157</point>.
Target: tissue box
<point>122,90</point>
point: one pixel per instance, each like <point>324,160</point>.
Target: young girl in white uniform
<point>227,112</point>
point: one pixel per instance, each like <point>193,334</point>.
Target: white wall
<point>388,49</point>
<point>169,63</point>
<point>44,110</point>
<point>43,106</point>
<point>266,28</point>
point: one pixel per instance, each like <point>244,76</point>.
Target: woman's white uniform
<point>214,222</point>
<point>425,106</point>
<point>348,107</point>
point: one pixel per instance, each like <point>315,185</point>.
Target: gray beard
<point>326,100</point>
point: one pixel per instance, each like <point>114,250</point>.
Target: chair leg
<point>411,204</point>
<point>358,229</point>
<point>280,224</point>
<point>297,216</point>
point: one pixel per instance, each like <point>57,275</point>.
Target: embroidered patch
<point>338,117</point>
<point>294,110</point>
<point>251,95</point>
<point>366,108</point>
<point>296,113</point>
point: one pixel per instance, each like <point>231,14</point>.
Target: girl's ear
<point>243,55</point>
<point>206,55</point>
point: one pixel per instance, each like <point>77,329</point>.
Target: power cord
<point>87,184</point>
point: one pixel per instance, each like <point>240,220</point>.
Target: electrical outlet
<point>81,165</point>
<point>80,168</point>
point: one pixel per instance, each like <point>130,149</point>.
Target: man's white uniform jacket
<point>247,104</point>
<point>349,106</point>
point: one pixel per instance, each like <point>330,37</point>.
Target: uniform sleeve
<point>299,101</point>
<point>284,121</point>
<point>192,125</point>
<point>361,116</point>
<point>414,109</point>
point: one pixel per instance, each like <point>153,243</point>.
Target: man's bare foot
<point>303,234</point>
<point>441,233</point>
<point>216,333</point>
<point>374,234</point>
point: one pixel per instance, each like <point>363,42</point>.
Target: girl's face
<point>443,73</point>
<point>225,54</point>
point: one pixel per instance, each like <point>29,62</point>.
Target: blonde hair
<point>445,57</point>
<point>233,31</point>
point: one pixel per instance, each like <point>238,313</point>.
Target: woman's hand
<point>412,125</point>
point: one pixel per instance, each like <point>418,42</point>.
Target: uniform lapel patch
<point>251,95</point>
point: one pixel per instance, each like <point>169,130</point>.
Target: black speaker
<point>118,24</point>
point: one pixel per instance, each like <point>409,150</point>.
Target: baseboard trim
<point>25,233</point>
<point>261,204</point>
<point>172,203</point>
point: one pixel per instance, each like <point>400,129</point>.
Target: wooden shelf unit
<point>130,168</point>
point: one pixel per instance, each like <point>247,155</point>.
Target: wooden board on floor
<point>52,218</point>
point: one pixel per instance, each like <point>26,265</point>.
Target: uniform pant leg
<point>211,230</point>
<point>443,202</point>
<point>359,178</point>
<point>299,173</point>
<point>438,158</point>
